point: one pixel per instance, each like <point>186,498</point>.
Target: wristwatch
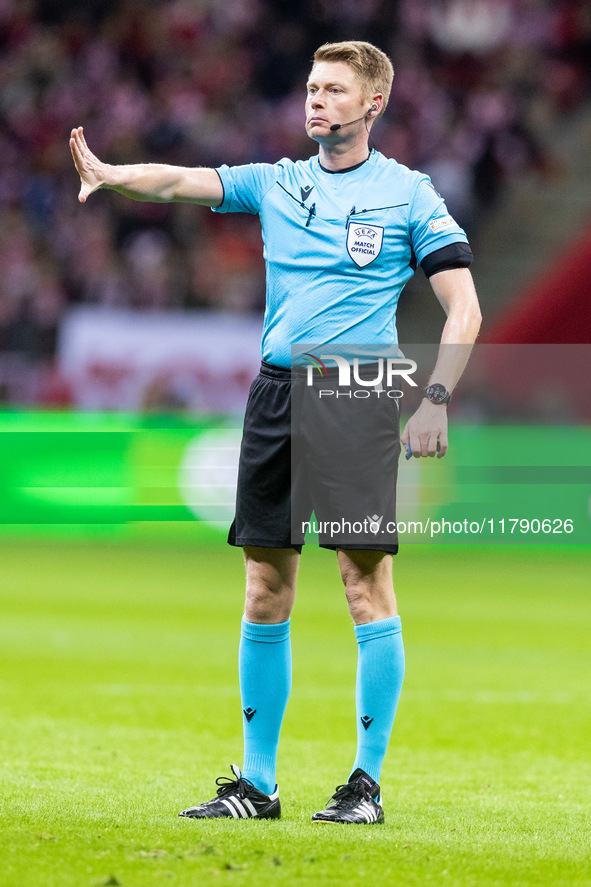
<point>437,393</point>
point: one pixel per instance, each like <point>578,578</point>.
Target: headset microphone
<point>337,126</point>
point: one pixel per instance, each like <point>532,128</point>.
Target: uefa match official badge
<point>364,243</point>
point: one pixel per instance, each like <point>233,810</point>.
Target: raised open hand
<point>90,169</point>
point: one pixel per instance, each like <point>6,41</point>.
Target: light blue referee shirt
<point>339,247</point>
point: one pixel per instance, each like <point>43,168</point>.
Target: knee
<point>363,565</point>
<point>354,575</point>
<point>270,586</point>
<point>264,601</point>
<point>367,576</point>
<point>359,601</point>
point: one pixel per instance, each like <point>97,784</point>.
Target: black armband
<point>454,255</point>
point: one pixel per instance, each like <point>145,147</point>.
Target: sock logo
<point>249,714</point>
<point>366,721</point>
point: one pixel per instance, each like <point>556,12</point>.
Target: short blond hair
<point>372,66</point>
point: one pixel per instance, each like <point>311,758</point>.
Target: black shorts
<point>342,466</point>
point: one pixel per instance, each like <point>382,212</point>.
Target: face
<point>334,96</point>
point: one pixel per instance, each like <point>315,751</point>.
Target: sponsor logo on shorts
<point>375,521</point>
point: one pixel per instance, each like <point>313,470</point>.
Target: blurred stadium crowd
<point>205,82</point>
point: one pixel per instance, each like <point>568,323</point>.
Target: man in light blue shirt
<point>346,241</point>
<point>342,234</point>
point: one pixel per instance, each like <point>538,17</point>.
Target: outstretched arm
<point>428,425</point>
<point>156,182</point>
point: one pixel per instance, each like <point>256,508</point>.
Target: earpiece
<point>337,126</point>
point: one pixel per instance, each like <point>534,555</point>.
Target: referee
<point>343,232</point>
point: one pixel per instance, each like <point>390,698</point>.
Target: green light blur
<point>118,475</point>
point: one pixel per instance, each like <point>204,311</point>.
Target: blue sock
<point>380,672</point>
<point>264,665</point>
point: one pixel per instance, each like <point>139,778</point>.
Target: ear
<point>376,104</point>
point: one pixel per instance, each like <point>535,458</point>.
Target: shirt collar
<point>336,172</point>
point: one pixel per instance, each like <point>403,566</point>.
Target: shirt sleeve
<point>430,225</point>
<point>454,255</point>
<point>245,187</point>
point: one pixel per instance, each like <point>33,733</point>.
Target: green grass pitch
<point>119,707</point>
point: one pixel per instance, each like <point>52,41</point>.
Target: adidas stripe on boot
<point>358,801</point>
<point>237,799</point>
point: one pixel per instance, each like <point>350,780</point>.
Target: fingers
<point>85,163</point>
<point>443,445</point>
<point>431,445</point>
<point>76,148</point>
<point>78,144</point>
<point>416,447</point>
<point>424,442</point>
<point>425,433</point>
<point>79,135</point>
<point>411,441</point>
<point>420,449</point>
<point>419,442</point>
<point>78,163</point>
<point>411,438</point>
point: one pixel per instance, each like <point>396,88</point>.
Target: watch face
<point>437,393</point>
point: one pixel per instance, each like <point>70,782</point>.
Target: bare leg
<point>367,576</point>
<point>270,583</point>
